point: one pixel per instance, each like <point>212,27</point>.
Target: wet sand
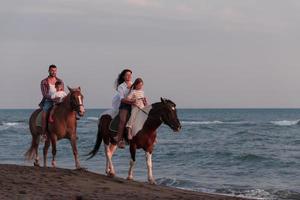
<point>29,183</point>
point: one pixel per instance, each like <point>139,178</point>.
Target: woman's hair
<point>120,78</point>
<point>136,82</point>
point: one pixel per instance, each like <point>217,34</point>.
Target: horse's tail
<point>98,142</point>
<point>31,152</point>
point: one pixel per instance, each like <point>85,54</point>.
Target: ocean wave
<point>215,122</point>
<point>251,157</point>
<point>286,122</point>
<point>230,190</point>
<point>246,193</point>
<point>7,125</point>
<point>92,118</point>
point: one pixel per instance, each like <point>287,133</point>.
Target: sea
<point>252,153</point>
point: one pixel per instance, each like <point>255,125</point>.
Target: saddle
<point>137,126</point>
<point>38,121</point>
<point>114,124</point>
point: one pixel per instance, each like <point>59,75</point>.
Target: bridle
<point>75,106</point>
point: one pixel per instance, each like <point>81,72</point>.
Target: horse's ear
<point>163,100</point>
<point>79,88</point>
<point>70,89</point>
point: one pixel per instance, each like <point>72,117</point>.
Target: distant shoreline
<point>23,182</point>
<point>178,108</point>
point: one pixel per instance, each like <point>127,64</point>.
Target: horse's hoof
<point>152,182</point>
<point>81,169</point>
<point>111,175</point>
<point>129,178</point>
<point>54,164</point>
<point>36,164</point>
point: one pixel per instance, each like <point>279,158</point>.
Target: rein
<point>148,114</point>
<point>142,110</point>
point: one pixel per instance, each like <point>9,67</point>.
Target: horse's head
<point>76,100</point>
<point>169,115</point>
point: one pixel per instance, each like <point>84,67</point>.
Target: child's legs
<point>131,122</point>
<point>52,112</point>
<point>132,118</point>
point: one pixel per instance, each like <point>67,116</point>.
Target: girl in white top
<point>136,95</point>
<point>57,97</point>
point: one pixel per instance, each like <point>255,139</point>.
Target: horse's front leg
<point>151,179</point>
<point>75,151</point>
<point>45,150</point>
<point>132,162</point>
<point>53,143</point>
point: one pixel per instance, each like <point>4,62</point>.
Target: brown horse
<point>155,115</point>
<point>64,126</point>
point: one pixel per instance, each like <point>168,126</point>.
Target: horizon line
<point>188,108</point>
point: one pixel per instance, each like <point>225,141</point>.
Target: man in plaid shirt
<point>47,88</point>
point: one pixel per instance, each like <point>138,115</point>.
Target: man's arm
<point>45,89</point>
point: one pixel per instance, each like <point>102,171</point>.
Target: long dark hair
<point>136,82</point>
<point>120,78</point>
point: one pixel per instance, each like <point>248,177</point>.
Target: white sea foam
<point>93,118</point>
<point>201,122</point>
<point>286,122</point>
<point>7,125</point>
<point>212,122</point>
<point>11,123</point>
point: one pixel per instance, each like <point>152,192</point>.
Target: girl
<point>57,97</point>
<point>136,95</point>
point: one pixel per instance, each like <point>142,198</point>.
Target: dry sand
<point>28,183</point>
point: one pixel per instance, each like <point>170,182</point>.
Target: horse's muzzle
<point>81,114</point>
<point>81,111</point>
<point>176,128</point>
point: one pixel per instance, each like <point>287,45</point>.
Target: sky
<point>198,53</point>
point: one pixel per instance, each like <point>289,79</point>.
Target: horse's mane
<point>159,104</point>
<point>69,94</point>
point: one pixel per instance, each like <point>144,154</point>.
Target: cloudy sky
<point>199,53</point>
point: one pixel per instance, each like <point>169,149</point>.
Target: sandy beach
<point>23,182</point>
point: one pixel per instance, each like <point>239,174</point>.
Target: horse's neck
<point>154,118</point>
<point>65,107</point>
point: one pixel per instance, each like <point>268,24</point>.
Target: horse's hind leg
<point>53,142</point>
<point>75,151</point>
<point>109,151</point>
<point>36,148</point>
<point>107,168</point>
<point>45,151</point>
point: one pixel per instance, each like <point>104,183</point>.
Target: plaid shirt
<point>45,90</point>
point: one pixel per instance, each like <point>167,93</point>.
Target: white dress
<point>60,95</point>
<point>139,96</point>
